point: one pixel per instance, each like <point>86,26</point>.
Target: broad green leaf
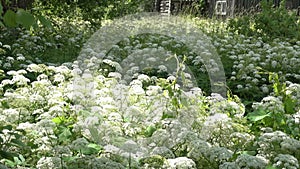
<point>257,115</point>
<point>1,24</point>
<point>25,18</point>
<point>9,18</point>
<point>45,22</point>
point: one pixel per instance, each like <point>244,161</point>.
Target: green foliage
<point>269,23</point>
<point>11,140</point>
<point>93,11</point>
<point>241,25</point>
<point>278,22</point>
<point>23,18</point>
<point>9,18</point>
<point>271,116</point>
<point>155,161</point>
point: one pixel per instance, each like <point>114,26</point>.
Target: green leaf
<point>7,127</point>
<point>25,18</point>
<point>95,146</point>
<point>7,155</point>
<point>10,163</point>
<point>18,142</point>
<point>9,18</point>
<point>149,131</point>
<point>253,153</point>
<point>89,151</point>
<point>45,22</point>
<point>289,105</point>
<point>57,120</point>
<point>271,167</point>
<point>1,24</point>
<point>65,135</point>
<point>257,115</point>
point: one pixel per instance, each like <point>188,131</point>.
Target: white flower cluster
<point>286,161</point>
<point>273,143</point>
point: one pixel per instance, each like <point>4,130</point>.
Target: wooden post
<point>232,8</point>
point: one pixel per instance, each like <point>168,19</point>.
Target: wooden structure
<point>167,7</point>
<point>222,8</point>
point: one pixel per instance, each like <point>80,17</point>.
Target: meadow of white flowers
<point>50,118</point>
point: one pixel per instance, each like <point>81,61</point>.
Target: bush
<point>269,23</point>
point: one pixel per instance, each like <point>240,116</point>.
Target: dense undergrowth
<point>50,118</point>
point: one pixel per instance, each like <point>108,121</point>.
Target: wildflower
<point>20,57</point>
<point>35,68</point>
<point>7,47</point>
<point>181,162</point>
<point>59,78</point>
<point>79,144</point>
<point>49,162</point>
<point>285,161</point>
<point>144,78</point>
<point>248,161</point>
<point>115,75</point>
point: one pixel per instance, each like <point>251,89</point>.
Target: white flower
<point>153,90</point>
<point>7,65</point>
<point>171,78</point>
<point>285,161</point>
<point>219,154</point>
<point>26,126</point>
<point>248,161</point>
<point>274,63</point>
<point>20,57</point>
<point>49,162</point>
<point>59,78</point>
<point>11,115</point>
<point>144,78</point>
<point>115,75</point>
<point>7,47</point>
<point>35,68</point>
<point>181,162</point>
<point>162,68</point>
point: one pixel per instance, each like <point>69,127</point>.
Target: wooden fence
<point>218,7</point>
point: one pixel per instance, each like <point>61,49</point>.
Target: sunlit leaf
<point>57,120</point>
